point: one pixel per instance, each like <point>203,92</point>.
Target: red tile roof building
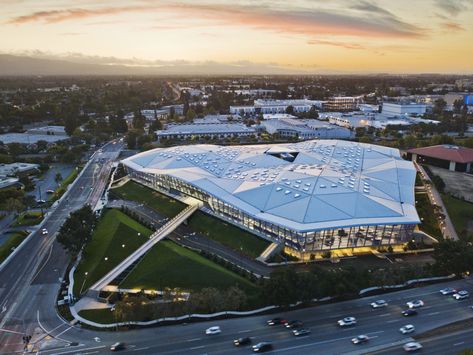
<point>452,157</point>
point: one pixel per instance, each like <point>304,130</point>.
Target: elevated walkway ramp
<point>271,250</point>
<point>161,233</point>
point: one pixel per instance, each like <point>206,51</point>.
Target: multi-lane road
<point>29,283</point>
<point>381,325</point>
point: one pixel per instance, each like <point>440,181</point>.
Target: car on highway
<point>276,321</point>
<point>213,330</point>
<point>412,346</point>
<point>408,328</point>
<point>300,332</point>
<point>360,339</point>
<point>461,295</point>
<point>40,202</point>
<point>49,191</point>
<point>448,291</point>
<point>293,324</point>
<point>44,231</point>
<point>117,346</point>
<point>379,304</point>
<point>262,347</point>
<point>409,312</point>
<point>242,341</point>
<point>347,321</point>
<point>415,304</point>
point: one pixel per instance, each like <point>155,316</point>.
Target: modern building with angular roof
<point>313,196</point>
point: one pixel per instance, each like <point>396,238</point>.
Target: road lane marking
<point>320,342</point>
<point>460,343</point>
<point>245,331</point>
<point>393,321</point>
<point>384,315</point>
<point>83,349</point>
<point>194,339</point>
<point>143,348</point>
<point>197,347</point>
<point>433,313</point>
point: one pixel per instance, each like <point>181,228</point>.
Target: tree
<point>439,107</point>
<point>457,106</point>
<point>453,257</point>
<point>410,141</point>
<point>138,121</point>
<point>14,205</point>
<point>58,178</point>
<point>131,138</point>
<point>290,110</point>
<point>77,230</point>
<point>190,115</point>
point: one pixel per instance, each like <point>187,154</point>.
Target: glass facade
<point>319,240</point>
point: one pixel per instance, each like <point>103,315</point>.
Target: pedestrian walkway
<point>161,233</point>
<point>271,250</point>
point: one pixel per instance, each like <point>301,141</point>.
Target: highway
<point>381,325</point>
<point>29,283</point>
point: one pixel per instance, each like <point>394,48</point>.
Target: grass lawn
<point>114,230</point>
<point>159,202</point>
<point>460,212</point>
<point>28,219</point>
<point>426,213</point>
<point>170,265</point>
<point>13,241</point>
<point>104,316</point>
<point>227,234</point>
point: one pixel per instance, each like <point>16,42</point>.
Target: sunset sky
<point>402,36</point>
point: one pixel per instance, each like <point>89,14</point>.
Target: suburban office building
<point>304,129</point>
<point>213,130</point>
<point>276,106</point>
<point>464,97</point>
<point>341,103</point>
<point>445,156</point>
<point>312,196</point>
<point>402,109</point>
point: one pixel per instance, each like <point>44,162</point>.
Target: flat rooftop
<point>324,184</point>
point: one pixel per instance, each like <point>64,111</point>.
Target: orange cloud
<point>452,26</point>
<point>353,22</point>
<point>336,44</point>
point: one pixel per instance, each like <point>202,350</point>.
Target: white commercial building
<point>312,196</point>
<point>304,129</point>
<point>202,130</point>
<point>403,109</point>
<point>276,106</point>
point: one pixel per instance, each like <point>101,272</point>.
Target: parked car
<point>408,328</point>
<point>117,346</point>
<point>379,304</point>
<point>448,291</point>
<point>293,324</point>
<point>242,341</point>
<point>347,321</point>
<point>415,304</point>
<point>409,312</point>
<point>276,321</point>
<point>461,295</point>
<point>300,332</point>
<point>412,346</point>
<point>213,330</point>
<point>360,339</point>
<point>44,231</point>
<point>262,347</point>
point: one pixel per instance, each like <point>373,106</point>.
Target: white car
<point>408,328</point>
<point>415,304</point>
<point>448,291</point>
<point>379,304</point>
<point>412,346</point>
<point>461,295</point>
<point>347,321</point>
<point>44,231</point>
<point>213,330</point>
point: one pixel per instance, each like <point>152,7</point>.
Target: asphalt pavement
<point>30,282</point>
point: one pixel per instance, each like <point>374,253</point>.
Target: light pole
<point>83,282</point>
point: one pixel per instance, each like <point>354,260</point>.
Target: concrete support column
<point>452,166</point>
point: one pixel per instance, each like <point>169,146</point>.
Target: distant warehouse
<point>201,130</point>
<point>312,196</point>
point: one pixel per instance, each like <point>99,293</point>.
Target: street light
<point>106,258</point>
<point>123,245</point>
<point>83,282</point>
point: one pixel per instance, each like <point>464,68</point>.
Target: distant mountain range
<point>15,65</point>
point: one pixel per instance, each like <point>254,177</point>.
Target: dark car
<point>242,341</point>
<point>276,321</point>
<point>293,324</point>
<point>409,312</point>
<point>117,346</point>
<point>262,347</point>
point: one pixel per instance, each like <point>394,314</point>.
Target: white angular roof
<point>328,183</point>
